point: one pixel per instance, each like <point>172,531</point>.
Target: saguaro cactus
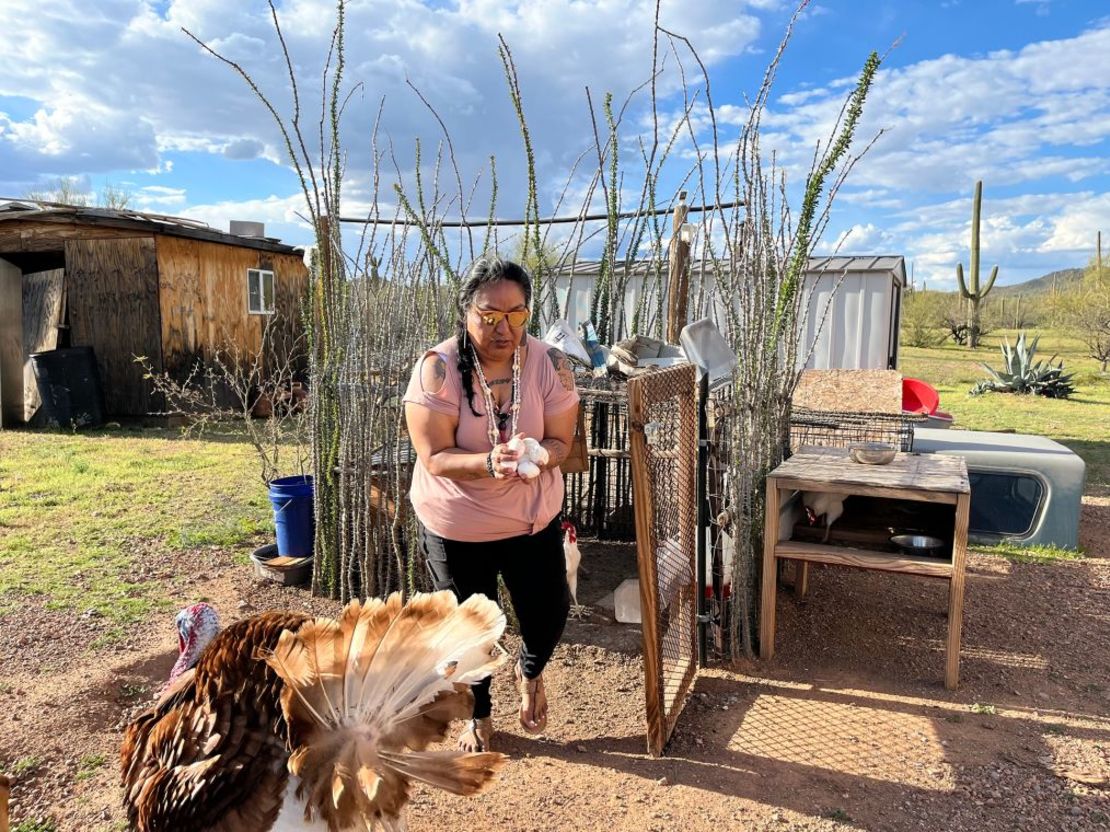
<point>970,289</point>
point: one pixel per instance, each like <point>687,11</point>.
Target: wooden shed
<point>131,284</point>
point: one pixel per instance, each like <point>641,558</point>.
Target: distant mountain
<point>1042,285</point>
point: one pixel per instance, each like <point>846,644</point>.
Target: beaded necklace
<point>492,427</point>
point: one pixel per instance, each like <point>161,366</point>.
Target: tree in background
<point>923,319</point>
<point>66,190</point>
<point>1086,309</point>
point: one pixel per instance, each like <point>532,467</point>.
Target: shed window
<point>260,291</point>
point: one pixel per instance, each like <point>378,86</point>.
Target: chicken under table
<point>927,494</point>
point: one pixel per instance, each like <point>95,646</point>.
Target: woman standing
<point>468,397</point>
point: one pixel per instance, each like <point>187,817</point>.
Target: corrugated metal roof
<point>879,264</point>
<point>859,263</point>
<point>25,209</point>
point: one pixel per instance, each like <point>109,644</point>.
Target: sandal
<point>531,689</point>
<point>477,735</point>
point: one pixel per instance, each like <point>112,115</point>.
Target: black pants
<point>535,573</point>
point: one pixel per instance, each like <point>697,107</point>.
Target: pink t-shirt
<point>489,509</point>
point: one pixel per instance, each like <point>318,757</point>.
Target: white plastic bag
<point>562,336</point>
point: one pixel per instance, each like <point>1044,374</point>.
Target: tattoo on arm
<point>558,449</point>
<point>433,373</point>
<point>562,368</point>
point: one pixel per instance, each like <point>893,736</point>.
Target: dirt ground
<point>849,727</point>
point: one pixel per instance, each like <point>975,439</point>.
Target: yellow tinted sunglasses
<point>491,318</point>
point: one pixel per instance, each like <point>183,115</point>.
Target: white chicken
<point>290,724</point>
<point>825,504</point>
<point>574,559</point>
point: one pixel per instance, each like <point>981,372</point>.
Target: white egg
<point>527,469</point>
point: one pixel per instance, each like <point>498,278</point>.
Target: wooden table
<point>920,478</point>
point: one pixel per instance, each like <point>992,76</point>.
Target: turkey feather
<point>364,695</point>
<point>288,723</point>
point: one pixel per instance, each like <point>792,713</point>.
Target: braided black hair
<point>489,268</point>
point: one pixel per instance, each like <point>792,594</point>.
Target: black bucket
<point>69,386</point>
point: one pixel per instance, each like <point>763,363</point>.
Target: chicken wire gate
<point>664,433</point>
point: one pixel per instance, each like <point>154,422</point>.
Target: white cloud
<point>157,198</point>
<point>119,88</point>
<point>1008,117</point>
<point>126,72</point>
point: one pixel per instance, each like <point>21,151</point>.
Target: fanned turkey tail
<point>364,696</point>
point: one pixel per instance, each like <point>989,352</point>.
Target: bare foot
<point>476,735</point>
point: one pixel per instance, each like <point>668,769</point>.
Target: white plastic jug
<point>561,335</point>
<point>627,601</point>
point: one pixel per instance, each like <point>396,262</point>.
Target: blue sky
<point>1014,92</point>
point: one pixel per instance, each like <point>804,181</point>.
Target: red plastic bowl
<point>919,397</point>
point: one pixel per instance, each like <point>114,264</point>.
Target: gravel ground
<point>849,727</point>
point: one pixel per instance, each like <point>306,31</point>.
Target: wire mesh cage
<point>807,428</point>
<point>663,415</point>
<point>599,501</point>
<point>840,429</point>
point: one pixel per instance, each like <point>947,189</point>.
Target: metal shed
<point>852,313</point>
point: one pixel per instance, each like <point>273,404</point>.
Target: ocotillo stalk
<point>971,289</point>
<point>678,288</point>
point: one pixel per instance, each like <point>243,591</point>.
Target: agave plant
<point>1022,373</point>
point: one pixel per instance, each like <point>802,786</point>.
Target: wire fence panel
<point>599,501</point>
<point>663,421</point>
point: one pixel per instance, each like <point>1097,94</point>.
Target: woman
<point>468,397</point>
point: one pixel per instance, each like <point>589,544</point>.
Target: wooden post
<point>678,285</point>
<point>956,592</point>
<point>770,573</point>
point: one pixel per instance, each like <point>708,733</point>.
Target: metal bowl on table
<point>872,453</point>
<point>921,545</point>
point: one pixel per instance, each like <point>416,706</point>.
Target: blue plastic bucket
<point>291,498</point>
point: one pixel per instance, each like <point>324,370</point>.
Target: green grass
<point>25,765</point>
<point>80,512</point>
<point>88,766</point>
<point>39,825</point>
<point>1079,423</point>
<point>1030,554</point>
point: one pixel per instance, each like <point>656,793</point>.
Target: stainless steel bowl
<point>872,453</point>
<point>918,544</point>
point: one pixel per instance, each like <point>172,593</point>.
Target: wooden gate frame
<point>667,679</point>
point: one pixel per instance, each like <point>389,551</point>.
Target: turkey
<point>292,723</point>
<point>5,788</point>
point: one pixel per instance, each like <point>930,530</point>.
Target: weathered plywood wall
<point>43,311</point>
<point>11,344</point>
<point>36,236</point>
<point>112,295</point>
<point>203,298</point>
